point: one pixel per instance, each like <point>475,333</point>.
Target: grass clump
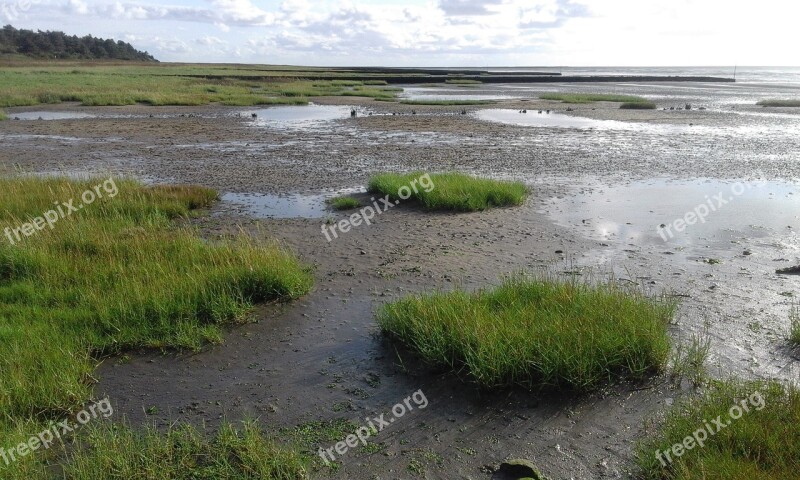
<point>464,81</point>
<point>592,97</point>
<point>182,453</point>
<point>3,116</point>
<point>779,103</point>
<point>117,274</point>
<point>794,326</point>
<point>344,203</point>
<point>535,332</point>
<point>763,443</point>
<point>449,191</point>
<point>447,102</point>
<point>644,105</point>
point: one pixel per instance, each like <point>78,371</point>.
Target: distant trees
<point>58,45</point>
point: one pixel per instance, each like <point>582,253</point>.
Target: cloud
<point>468,7</point>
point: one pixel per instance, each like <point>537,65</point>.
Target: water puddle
<point>535,119</point>
<point>298,116</point>
<point>668,213</point>
<point>286,206</point>
<point>50,116</point>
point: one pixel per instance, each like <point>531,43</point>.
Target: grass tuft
<point>455,81</point>
<point>535,332</point>
<point>115,275</point>
<point>779,103</point>
<point>763,443</point>
<point>592,97</point>
<point>794,326</point>
<point>451,191</point>
<point>344,203</point>
<point>118,452</point>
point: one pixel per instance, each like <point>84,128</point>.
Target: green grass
<point>185,453</point>
<point>344,203</point>
<point>592,97</point>
<point>535,332</point>
<point>455,81</point>
<point>102,84</point>
<point>794,326</point>
<point>117,274</point>
<point>447,102</point>
<point>763,443</point>
<point>644,105</point>
<point>451,191</point>
<point>779,103</point>
<point>3,115</point>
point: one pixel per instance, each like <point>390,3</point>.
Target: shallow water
<point>50,115</point>
<point>459,93</point>
<point>298,116</point>
<point>262,205</point>
<point>634,213</point>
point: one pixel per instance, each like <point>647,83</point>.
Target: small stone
<point>559,251</point>
<point>747,252</point>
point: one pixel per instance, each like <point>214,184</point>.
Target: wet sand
<point>305,361</point>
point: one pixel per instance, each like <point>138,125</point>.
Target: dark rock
<point>789,270</point>
<point>517,469</point>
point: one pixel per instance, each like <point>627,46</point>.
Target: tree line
<point>48,44</point>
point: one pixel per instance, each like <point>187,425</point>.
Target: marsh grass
<point>452,191</point>
<point>119,452</point>
<point>535,332</point>
<point>643,105</point>
<point>455,81</point>
<point>106,85</point>
<point>344,203</point>
<point>779,103</point>
<point>447,102</point>
<point>118,274</point>
<point>794,326</point>
<point>763,444</point>
<point>592,97</point>
<point>3,116</point>
<point>689,359</point>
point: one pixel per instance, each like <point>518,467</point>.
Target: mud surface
<point>601,190</point>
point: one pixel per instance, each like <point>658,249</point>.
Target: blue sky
<point>433,32</point>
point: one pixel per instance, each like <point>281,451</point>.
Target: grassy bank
<point>779,103</point>
<point>116,274</point>
<point>593,97</point>
<point>104,85</point>
<point>535,332</point>
<point>451,191</point>
<point>456,81</point>
<point>763,443</point>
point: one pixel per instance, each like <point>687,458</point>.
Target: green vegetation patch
<point>763,442</point>
<point>535,332</point>
<point>450,191</point>
<point>106,85</point>
<point>114,275</point>
<point>794,326</point>
<point>592,97</point>
<point>183,453</point>
<point>779,103</point>
<point>344,203</point>
<point>465,81</point>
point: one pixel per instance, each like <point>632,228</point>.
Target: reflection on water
<point>440,93</point>
<point>50,115</point>
<point>286,206</point>
<point>535,119</point>
<point>634,213</point>
<point>298,116</point>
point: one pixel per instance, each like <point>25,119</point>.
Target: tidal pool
<point>49,115</point>
<point>298,116</point>
<point>286,206</point>
<point>659,212</point>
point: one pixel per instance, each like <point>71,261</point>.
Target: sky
<point>435,33</point>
